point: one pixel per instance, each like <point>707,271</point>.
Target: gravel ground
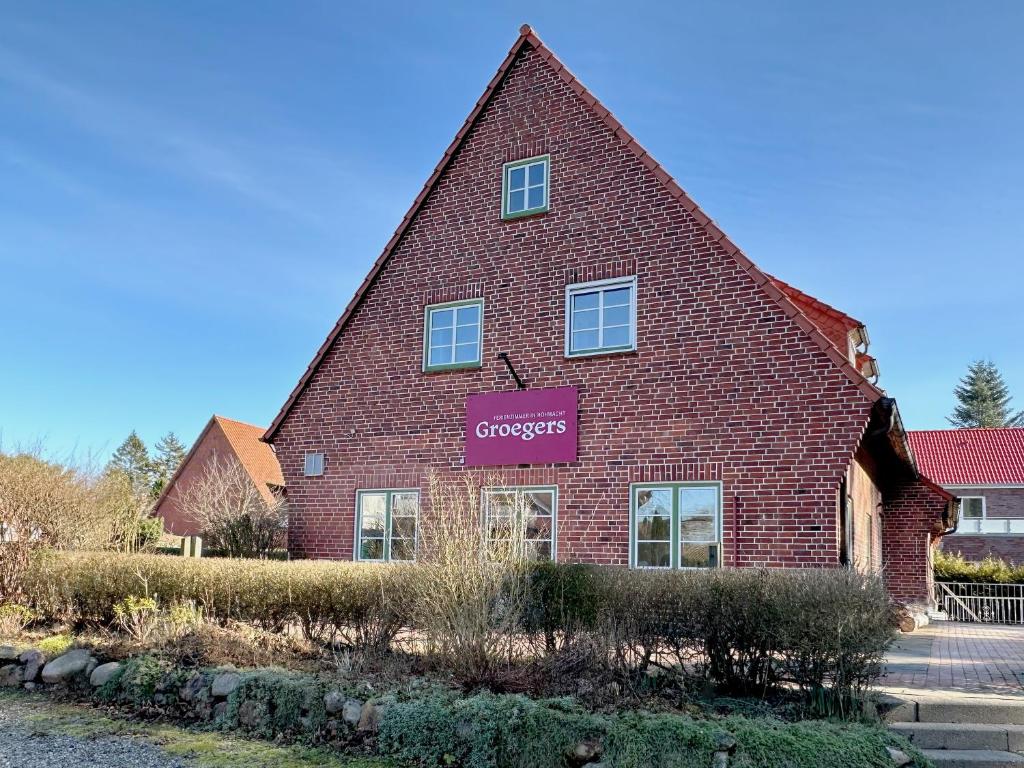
<point>28,744</point>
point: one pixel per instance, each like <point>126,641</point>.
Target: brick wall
<point>999,503</point>
<point>911,519</point>
<point>723,385</point>
<point>212,443</point>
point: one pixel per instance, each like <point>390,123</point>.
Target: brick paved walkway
<point>951,656</point>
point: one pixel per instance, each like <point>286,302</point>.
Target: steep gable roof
<point>527,38</point>
<point>256,457</point>
<point>991,456</point>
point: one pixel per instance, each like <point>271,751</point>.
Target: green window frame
<point>450,331</point>
<point>387,525</point>
<point>675,525</point>
<point>522,505</point>
<point>525,187</point>
<point>600,317</point>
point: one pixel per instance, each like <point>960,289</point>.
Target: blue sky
<point>190,192</point>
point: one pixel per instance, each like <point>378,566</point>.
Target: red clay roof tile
<point>992,456</point>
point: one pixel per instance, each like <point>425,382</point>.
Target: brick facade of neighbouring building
<point>221,440</point>
<point>985,469</point>
<point>730,383</point>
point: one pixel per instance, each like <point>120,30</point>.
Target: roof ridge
<point>218,417</point>
<point>528,37</point>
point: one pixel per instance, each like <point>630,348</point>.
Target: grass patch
<point>205,749</point>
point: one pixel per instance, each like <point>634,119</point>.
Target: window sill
<point>524,215</point>
<point>452,368</point>
<point>600,353</point>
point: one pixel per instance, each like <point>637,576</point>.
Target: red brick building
<point>221,439</point>
<point>687,409</point>
<point>985,468</point>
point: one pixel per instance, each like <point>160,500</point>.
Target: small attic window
<point>524,189</point>
<point>314,466</point>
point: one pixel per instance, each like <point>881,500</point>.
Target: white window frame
<point>526,163</point>
<point>455,306</point>
<point>389,494</point>
<point>305,463</point>
<point>675,540</point>
<point>594,286</point>
<point>521,489</point>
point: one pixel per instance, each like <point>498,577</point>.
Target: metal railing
<point>989,603</point>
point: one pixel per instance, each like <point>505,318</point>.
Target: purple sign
<point>534,426</point>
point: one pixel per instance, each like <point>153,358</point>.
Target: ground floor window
<point>521,517</point>
<point>386,525</point>
<point>676,525</point>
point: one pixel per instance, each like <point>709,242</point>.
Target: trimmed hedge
<point>991,570</point>
<point>743,630</point>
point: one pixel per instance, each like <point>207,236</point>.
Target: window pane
<point>537,173</point>
<point>654,528</point>
<point>535,198</point>
<point>540,502</point>
<point>616,337</point>
<point>584,340</point>
<point>405,503</point>
<point>466,334</point>
<point>466,353</point>
<point>584,319</point>
<point>616,315</point>
<point>654,501</point>
<point>469,315</point>
<point>371,549</point>
<point>972,507</point>
<point>372,514</point>
<point>314,464</point>
<point>698,501</point>
<point>585,300</point>
<point>440,337</point>
<point>699,556</point>
<point>403,549</point>
<point>697,528</point>
<point>440,355</point>
<point>538,550</point>
<point>653,555</point>
<point>516,201</point>
<point>617,296</point>
<point>403,527</point>
<point>538,527</point>
<point>517,178</point>
<point>442,318</point>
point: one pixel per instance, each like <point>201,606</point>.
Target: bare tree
<point>231,511</point>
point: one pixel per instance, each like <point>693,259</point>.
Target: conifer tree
<point>170,452</point>
<point>132,460</point>
<point>984,399</point>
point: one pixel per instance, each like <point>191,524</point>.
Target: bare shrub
<point>232,512</point>
<point>471,584</point>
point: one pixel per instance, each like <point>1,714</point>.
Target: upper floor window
<point>525,187</point>
<point>313,466</point>
<point>676,525</point>
<point>520,521</point>
<point>972,507</point>
<point>600,317</point>
<point>453,335</point>
<point>386,525</point>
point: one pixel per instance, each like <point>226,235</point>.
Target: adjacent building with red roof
<point>220,439</point>
<point>985,468</point>
<point>556,309</point>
